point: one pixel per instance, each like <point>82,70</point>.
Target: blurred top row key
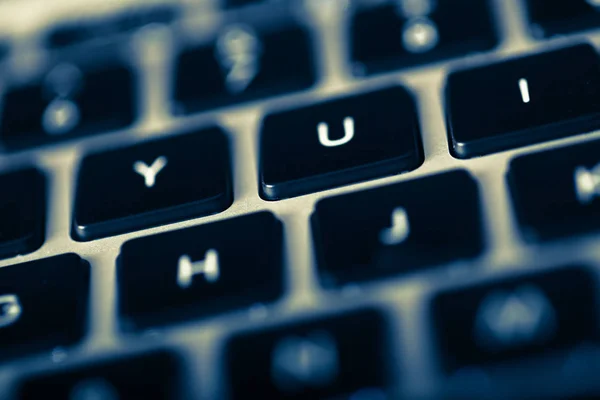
<point>407,33</point>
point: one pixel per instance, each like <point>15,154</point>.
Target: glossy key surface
<point>523,101</point>
<point>43,304</point>
<point>200,271</point>
<point>152,183</point>
<point>340,141</point>
<point>397,228</point>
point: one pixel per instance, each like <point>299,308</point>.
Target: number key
<point>69,101</point>
<point>413,32</point>
<point>243,64</point>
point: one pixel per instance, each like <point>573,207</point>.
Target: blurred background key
<point>242,64</point>
<point>105,29</point>
<point>406,33</point>
<point>68,101</point>
<point>555,17</point>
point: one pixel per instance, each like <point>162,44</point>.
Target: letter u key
<point>323,131</point>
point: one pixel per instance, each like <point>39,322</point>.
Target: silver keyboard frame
<point>404,298</point>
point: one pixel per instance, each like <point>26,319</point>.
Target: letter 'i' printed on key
<point>524,88</point>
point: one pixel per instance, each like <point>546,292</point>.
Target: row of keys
<point>71,100</point>
<point>189,175</point>
<point>507,320</point>
<point>530,103</point>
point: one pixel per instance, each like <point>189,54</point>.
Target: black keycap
<point>153,376</point>
<point>68,102</point>
<point>341,141</point>
<point>522,101</point>
<point>342,357</point>
<point>552,17</point>
<point>515,318</point>
<point>200,271</point>
<point>397,228</point>
<point>153,183</point>
<point>22,212</point>
<point>43,304</point>
<point>409,33</point>
<point>554,192</point>
<point>243,64</point>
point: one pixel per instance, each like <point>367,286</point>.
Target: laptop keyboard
<point>303,199</point>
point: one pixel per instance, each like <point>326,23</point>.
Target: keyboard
<point>299,199</point>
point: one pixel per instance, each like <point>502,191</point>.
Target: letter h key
<point>209,267</point>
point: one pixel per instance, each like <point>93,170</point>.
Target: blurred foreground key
<point>153,376</point>
<point>407,33</point>
<point>344,357</point>
<point>68,101</point>
<point>554,17</point>
<point>514,318</point>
